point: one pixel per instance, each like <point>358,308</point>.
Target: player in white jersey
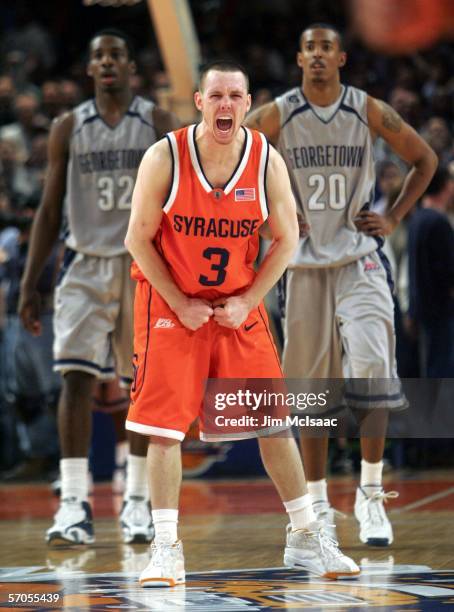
<point>94,154</point>
<point>339,307</point>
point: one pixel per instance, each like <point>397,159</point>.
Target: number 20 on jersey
<point>332,189</point>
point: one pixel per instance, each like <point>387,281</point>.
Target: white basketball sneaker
<point>325,514</point>
<point>135,520</point>
<point>73,524</point>
<point>313,550</point>
<point>166,567</point>
<point>374,526</point>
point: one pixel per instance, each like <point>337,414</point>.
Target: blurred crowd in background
<point>42,74</point>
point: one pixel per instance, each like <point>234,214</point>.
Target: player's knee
<point>376,418</point>
<point>164,442</point>
<point>78,383</point>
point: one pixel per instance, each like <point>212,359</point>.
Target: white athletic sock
<point>300,511</point>
<point>318,490</point>
<point>136,477</point>
<point>74,478</point>
<point>121,453</point>
<point>371,476</point>
<point>165,526</point>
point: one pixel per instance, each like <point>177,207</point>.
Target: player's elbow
<point>265,232</point>
<point>428,161</point>
<point>432,160</point>
<point>129,241</point>
<point>289,242</point>
<point>137,237</point>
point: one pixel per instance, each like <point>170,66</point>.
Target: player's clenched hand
<point>193,313</point>
<point>374,224</point>
<point>303,226</point>
<point>29,311</point>
<point>232,311</point>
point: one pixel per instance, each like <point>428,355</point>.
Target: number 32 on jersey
<point>332,189</point>
<point>113,192</point>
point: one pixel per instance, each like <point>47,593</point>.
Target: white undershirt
<point>326,112</point>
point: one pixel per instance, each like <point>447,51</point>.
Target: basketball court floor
<point>233,533</point>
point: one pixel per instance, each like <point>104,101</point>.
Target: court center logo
<point>399,587</point>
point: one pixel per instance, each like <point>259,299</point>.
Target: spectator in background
<point>28,49</point>
<point>441,102</point>
<point>436,133</point>
<point>29,121</point>
<point>14,177</point>
<point>267,66</point>
<point>408,105</point>
<point>9,453</point>
<point>71,94</point>
<point>31,387</point>
<point>51,99</point>
<point>7,93</point>
<point>395,249</point>
<point>438,74</point>
<point>406,75</point>
<point>5,204</point>
<point>431,272</point>
<point>389,177</point>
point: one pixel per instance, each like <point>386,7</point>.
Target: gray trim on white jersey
<point>102,169</point>
<point>331,166</point>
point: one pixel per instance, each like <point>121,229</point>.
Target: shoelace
<point>375,510</point>
<point>337,513</point>
<point>163,554</point>
<point>328,545</point>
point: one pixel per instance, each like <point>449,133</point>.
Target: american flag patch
<point>245,195</point>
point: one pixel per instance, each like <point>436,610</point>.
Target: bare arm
<point>46,225</point>
<point>151,188</point>
<point>164,121</point>
<point>403,140</point>
<point>283,225</point>
<point>267,120</point>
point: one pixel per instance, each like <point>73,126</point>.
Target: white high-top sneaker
<point>313,550</point>
<point>166,567</point>
<point>73,524</point>
<point>374,526</point>
<point>135,520</point>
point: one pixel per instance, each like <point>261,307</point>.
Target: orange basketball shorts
<point>172,363</point>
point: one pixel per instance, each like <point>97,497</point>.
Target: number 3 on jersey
<point>337,191</point>
<point>218,266</point>
<point>110,193</point>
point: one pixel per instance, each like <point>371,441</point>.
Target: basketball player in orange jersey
<point>200,197</point>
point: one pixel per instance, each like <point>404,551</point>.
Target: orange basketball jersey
<point>209,236</point>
